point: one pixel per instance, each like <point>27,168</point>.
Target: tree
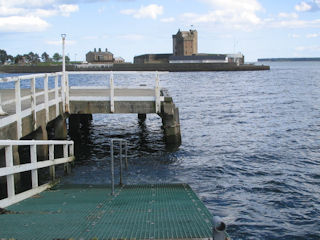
<point>10,58</point>
<point>36,58</point>
<point>31,57</point>
<point>56,57</point>
<point>67,59</point>
<point>3,56</point>
<point>45,57</point>
<point>18,58</point>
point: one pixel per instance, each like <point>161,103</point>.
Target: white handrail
<point>32,98</point>
<point>28,76</point>
<point>9,170</point>
<point>56,96</point>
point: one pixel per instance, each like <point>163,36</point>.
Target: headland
<point>289,59</point>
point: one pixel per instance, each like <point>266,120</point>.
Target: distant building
<point>185,50</point>
<point>99,56</point>
<point>119,60</point>
<point>237,58</point>
<point>203,58</point>
<point>209,58</point>
<point>152,58</point>
<point>185,43</point>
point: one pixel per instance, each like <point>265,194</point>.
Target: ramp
<point>164,211</point>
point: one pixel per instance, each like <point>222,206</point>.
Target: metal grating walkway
<point>166,211</point>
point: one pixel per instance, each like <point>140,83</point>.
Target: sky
<point>127,28</point>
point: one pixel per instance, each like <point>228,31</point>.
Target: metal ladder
<point>121,143</point>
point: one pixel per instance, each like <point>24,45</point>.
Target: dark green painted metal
<point>164,211</point>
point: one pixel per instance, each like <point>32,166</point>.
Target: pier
<point>60,211</point>
<point>164,211</point>
<point>49,210</point>
<point>29,113</point>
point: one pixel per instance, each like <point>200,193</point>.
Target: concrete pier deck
<point>164,211</point>
<point>83,94</point>
<point>97,100</point>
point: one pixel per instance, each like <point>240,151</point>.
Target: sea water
<point>250,145</point>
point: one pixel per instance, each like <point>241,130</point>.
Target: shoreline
<point>168,67</point>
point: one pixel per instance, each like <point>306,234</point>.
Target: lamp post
<point>63,54</point>
<point>64,80</point>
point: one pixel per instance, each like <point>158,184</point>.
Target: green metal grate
<point>166,211</point>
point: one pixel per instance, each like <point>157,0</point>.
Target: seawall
<point>172,67</point>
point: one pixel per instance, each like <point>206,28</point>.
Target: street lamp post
<point>64,80</point>
<point>63,54</point>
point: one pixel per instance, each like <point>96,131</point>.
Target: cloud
<point>313,35</point>
<point>303,7</point>
<point>243,5</point>
<point>9,11</point>
<point>296,23</point>
<point>66,9</point>
<point>244,15</point>
<point>294,35</point>
<point>28,15</point>
<point>22,24</point>
<point>63,10</point>
<point>167,20</point>
<point>150,11</point>
<point>315,48</point>
<point>102,9</point>
<point>232,13</point>
<point>288,15</point>
<point>309,6</point>
<point>27,3</point>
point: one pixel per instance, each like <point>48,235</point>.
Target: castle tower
<point>185,43</point>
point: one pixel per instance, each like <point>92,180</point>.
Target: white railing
<point>157,97</point>
<point>9,170</point>
<point>60,94</point>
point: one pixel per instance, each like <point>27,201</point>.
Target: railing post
<point>111,93</point>
<point>18,108</point>
<point>2,113</point>
<point>157,93</point>
<point>126,154</point>
<point>67,91</point>
<point>56,94</point>
<point>71,152</point>
<point>33,99</point>
<point>63,93</point>
<point>10,178</point>
<point>112,167</point>
<point>46,97</point>
<point>65,155</point>
<point>34,172</point>
<point>120,142</point>
<point>51,157</point>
